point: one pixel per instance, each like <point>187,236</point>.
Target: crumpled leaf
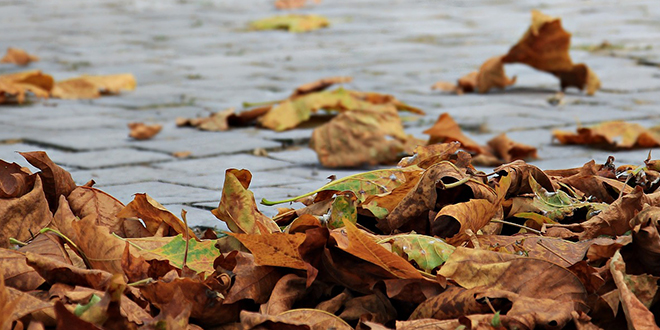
<point>319,85</point>
<point>18,84</point>
<point>611,134</point>
<point>91,87</point>
<point>154,215</point>
<point>56,180</point>
<point>446,130</point>
<point>426,251</point>
<point>21,217</point>
<point>291,23</point>
<point>490,75</point>
<point>559,205</point>
<point>251,281</point>
<point>646,239</point>
<point>637,315</point>
<point>289,289</point>
<point>508,150</point>
<point>18,56</point>
<point>358,137</point>
<point>343,209</point>
<point>91,202</point>
<point>142,131</point>
<point>237,206</point>
<point>54,271</point>
<point>215,122</point>
<point>545,47</point>
<point>294,319</point>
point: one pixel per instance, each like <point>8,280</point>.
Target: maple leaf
<point>292,23</point>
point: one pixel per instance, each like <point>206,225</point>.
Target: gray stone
<point>108,158</point>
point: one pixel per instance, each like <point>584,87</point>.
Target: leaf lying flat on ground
<point>18,56</point>
<point>142,131</point>
<point>291,23</point>
<point>612,134</point>
<point>18,84</point>
<point>91,87</point>
<point>215,122</point>
<point>353,138</point>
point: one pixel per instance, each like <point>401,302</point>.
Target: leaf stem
<point>538,232</point>
<point>141,282</point>
<point>16,242</point>
<point>71,243</point>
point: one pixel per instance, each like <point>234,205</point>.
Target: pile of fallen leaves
<point>430,243</point>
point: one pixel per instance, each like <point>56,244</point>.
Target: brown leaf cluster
<point>544,47</point>
<point>431,242</point>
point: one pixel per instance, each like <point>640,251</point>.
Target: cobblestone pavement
<point>191,57</point>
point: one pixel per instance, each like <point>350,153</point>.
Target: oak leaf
<point>142,131</point>
<point>292,23</point>
<point>18,56</point>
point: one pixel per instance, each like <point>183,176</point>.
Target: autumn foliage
<point>431,242</point>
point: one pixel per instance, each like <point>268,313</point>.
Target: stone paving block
<point>299,155</point>
<point>83,139</point>
<point>202,144</point>
<point>216,181</point>
<point>108,158</point>
<point>122,175</point>
<point>198,217</point>
<point>164,193</point>
<point>216,165</point>
<point>270,193</point>
<point>9,153</point>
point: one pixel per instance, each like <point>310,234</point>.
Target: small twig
<point>490,305</point>
<point>538,232</point>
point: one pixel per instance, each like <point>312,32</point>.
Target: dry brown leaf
<point>289,289</point>
<point>91,202</point>
<point>454,220</point>
<point>215,122</point>
<point>22,217</point>
<point>358,137</point>
<point>290,4</point>
<point>18,84</point>
<point>142,131</point>
<point>446,130</point>
<point>90,87</point>
<point>637,315</point>
<point>362,246</point>
<point>16,273</point>
<point>508,150</point>
<point>102,250</point>
<point>611,134</point>
<point>251,281</point>
<point>545,47</point>
<point>54,271</point>
<point>7,306</point>
<point>320,84</point>
<point>238,208</point>
<point>18,56</point>
<point>491,75</point>
<point>182,154</point>
<point>446,86</point>
<point>56,180</point>
<point>274,249</point>
<point>154,214</point>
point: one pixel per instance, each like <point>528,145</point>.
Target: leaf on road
<point>611,134</point>
<point>237,207</point>
<point>91,87</point>
<point>319,85</point>
<point>508,150</point>
<point>215,122</point>
<point>291,23</point>
<point>14,86</point>
<point>447,130</point>
<point>142,131</point>
<point>354,138</point>
<point>18,56</point>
